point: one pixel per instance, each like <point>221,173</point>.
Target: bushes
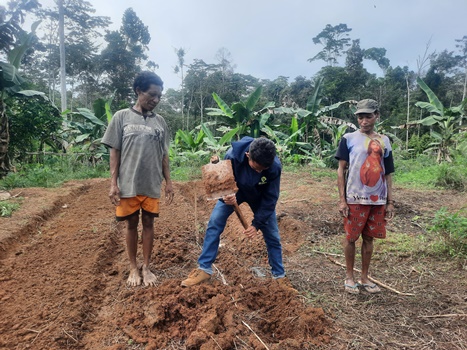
<point>452,228</point>
<point>53,171</point>
<point>451,177</point>
<point>424,172</point>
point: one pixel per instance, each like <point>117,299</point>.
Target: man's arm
<point>390,201</point>
<point>114,192</point>
<point>343,207</point>
<point>169,192</point>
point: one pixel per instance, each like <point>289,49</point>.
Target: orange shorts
<point>365,219</point>
<point>131,206</point>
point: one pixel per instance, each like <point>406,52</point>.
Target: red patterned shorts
<point>365,219</point>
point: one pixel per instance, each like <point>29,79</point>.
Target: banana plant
<point>444,122</point>
<point>189,140</point>
<point>242,116</point>
<point>10,83</point>
<point>218,145</point>
<point>288,144</point>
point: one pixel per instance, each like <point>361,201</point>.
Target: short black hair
<point>262,151</point>
<point>144,79</point>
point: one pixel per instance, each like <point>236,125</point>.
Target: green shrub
<point>7,208</point>
<point>53,171</point>
<point>420,144</point>
<point>451,177</point>
<point>452,230</point>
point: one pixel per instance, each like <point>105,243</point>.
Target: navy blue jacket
<point>259,190</point>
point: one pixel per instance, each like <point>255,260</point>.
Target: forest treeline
<point>422,109</point>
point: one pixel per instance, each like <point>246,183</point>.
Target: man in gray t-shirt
<point>139,161</point>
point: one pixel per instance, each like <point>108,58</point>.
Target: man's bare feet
<point>149,278</point>
<point>134,279</point>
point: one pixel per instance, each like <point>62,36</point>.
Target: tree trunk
<point>61,29</point>
<point>4,141</point>
<point>408,114</point>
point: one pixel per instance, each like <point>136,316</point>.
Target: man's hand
<point>169,192</point>
<point>114,195</point>
<point>344,209</point>
<point>389,212</point>
<point>251,232</point>
<point>214,159</point>
<point>231,199</point>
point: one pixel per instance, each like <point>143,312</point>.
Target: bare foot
<point>149,278</point>
<point>134,279</point>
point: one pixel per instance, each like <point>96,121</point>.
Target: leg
<point>349,252</point>
<point>148,242</point>
<point>273,244</point>
<point>216,226</point>
<point>134,279</point>
<point>367,252</point>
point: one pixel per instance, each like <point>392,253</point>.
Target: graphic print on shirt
<point>366,182</point>
<point>139,130</point>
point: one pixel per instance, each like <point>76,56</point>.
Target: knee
<point>147,221</point>
<point>132,222</point>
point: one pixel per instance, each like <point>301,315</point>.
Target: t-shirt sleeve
<point>342,152</point>
<point>389,164</point>
<point>113,135</point>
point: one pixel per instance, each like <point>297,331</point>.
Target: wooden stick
<point>447,315</point>
<point>196,218</point>
<point>294,200</point>
<point>256,335</point>
<point>16,195</point>
<point>373,279</point>
<point>220,273</point>
<point>216,342</point>
<point>324,253</point>
<point>69,335</point>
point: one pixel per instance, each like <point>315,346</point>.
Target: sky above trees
<point>271,38</point>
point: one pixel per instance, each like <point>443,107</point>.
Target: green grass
<point>397,243</point>
<point>53,172</point>
<point>7,208</point>
<point>424,173</point>
<point>450,232</point>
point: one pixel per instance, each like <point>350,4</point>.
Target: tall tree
<point>81,29</point>
<point>334,40</point>
<point>377,54</point>
<point>197,88</point>
<point>180,68</point>
<point>462,46</point>
<point>358,76</point>
<point>61,36</point>
<point>224,59</point>
<point>125,54</point>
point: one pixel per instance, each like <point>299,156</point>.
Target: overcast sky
<point>271,38</point>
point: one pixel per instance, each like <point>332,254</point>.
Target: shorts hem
<point>155,215</point>
<point>126,217</point>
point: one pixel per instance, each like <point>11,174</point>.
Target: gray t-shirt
<point>142,143</point>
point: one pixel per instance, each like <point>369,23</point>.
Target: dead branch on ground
<point>372,279</point>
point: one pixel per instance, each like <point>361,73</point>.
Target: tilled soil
<point>64,268</point>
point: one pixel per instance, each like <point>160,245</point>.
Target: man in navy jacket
<point>257,172</point>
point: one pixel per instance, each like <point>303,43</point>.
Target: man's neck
<point>369,133</point>
<point>139,109</point>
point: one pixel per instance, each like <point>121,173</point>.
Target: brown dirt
<point>218,179</point>
<point>63,270</point>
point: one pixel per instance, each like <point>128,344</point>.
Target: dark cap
<point>367,106</point>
